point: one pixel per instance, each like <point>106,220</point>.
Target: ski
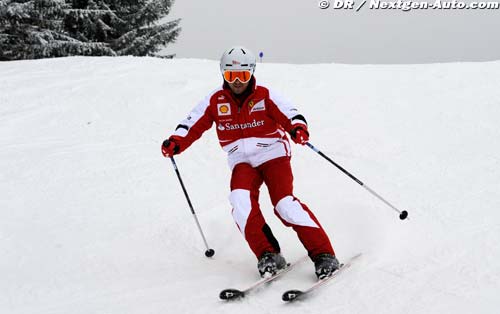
<point>233,294</point>
<point>292,295</point>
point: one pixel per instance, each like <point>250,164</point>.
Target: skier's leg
<point>245,184</point>
<point>277,175</point>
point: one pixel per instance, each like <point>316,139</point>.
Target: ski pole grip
<point>168,142</point>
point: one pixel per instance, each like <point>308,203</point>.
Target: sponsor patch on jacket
<point>237,126</point>
<point>224,109</point>
<point>260,106</point>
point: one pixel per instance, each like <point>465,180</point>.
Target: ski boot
<point>269,263</point>
<point>325,265</point>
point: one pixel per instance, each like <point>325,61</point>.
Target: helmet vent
<point>230,51</point>
<point>243,51</point>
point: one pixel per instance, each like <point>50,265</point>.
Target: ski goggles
<point>243,76</point>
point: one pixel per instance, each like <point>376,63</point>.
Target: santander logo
<point>240,126</point>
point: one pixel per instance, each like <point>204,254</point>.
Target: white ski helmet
<point>238,59</point>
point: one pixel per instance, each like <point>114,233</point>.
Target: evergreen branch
<point>88,11</point>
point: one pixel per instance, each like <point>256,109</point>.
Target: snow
<point>93,220</point>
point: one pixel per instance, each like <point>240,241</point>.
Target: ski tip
<point>231,294</point>
<point>291,295</point>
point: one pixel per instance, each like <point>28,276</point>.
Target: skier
<point>251,122</point>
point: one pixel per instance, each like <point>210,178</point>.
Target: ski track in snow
<point>93,220</point>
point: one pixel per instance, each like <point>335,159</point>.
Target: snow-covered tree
<point>31,29</point>
<point>130,27</point>
<point>141,34</point>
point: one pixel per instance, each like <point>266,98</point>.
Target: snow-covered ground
<point>93,220</point>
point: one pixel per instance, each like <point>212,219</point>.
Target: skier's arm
<point>285,113</point>
<point>190,129</point>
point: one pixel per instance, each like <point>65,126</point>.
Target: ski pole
<point>209,252</point>
<point>402,214</point>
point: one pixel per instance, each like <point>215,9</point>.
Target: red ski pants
<point>277,174</point>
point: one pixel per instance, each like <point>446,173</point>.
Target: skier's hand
<point>170,147</point>
<point>300,135</point>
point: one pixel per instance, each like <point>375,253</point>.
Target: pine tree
<point>31,29</point>
<point>139,34</point>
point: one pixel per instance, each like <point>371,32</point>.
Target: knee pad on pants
<point>292,212</point>
<point>242,205</point>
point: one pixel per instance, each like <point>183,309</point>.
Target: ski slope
<point>93,220</point>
